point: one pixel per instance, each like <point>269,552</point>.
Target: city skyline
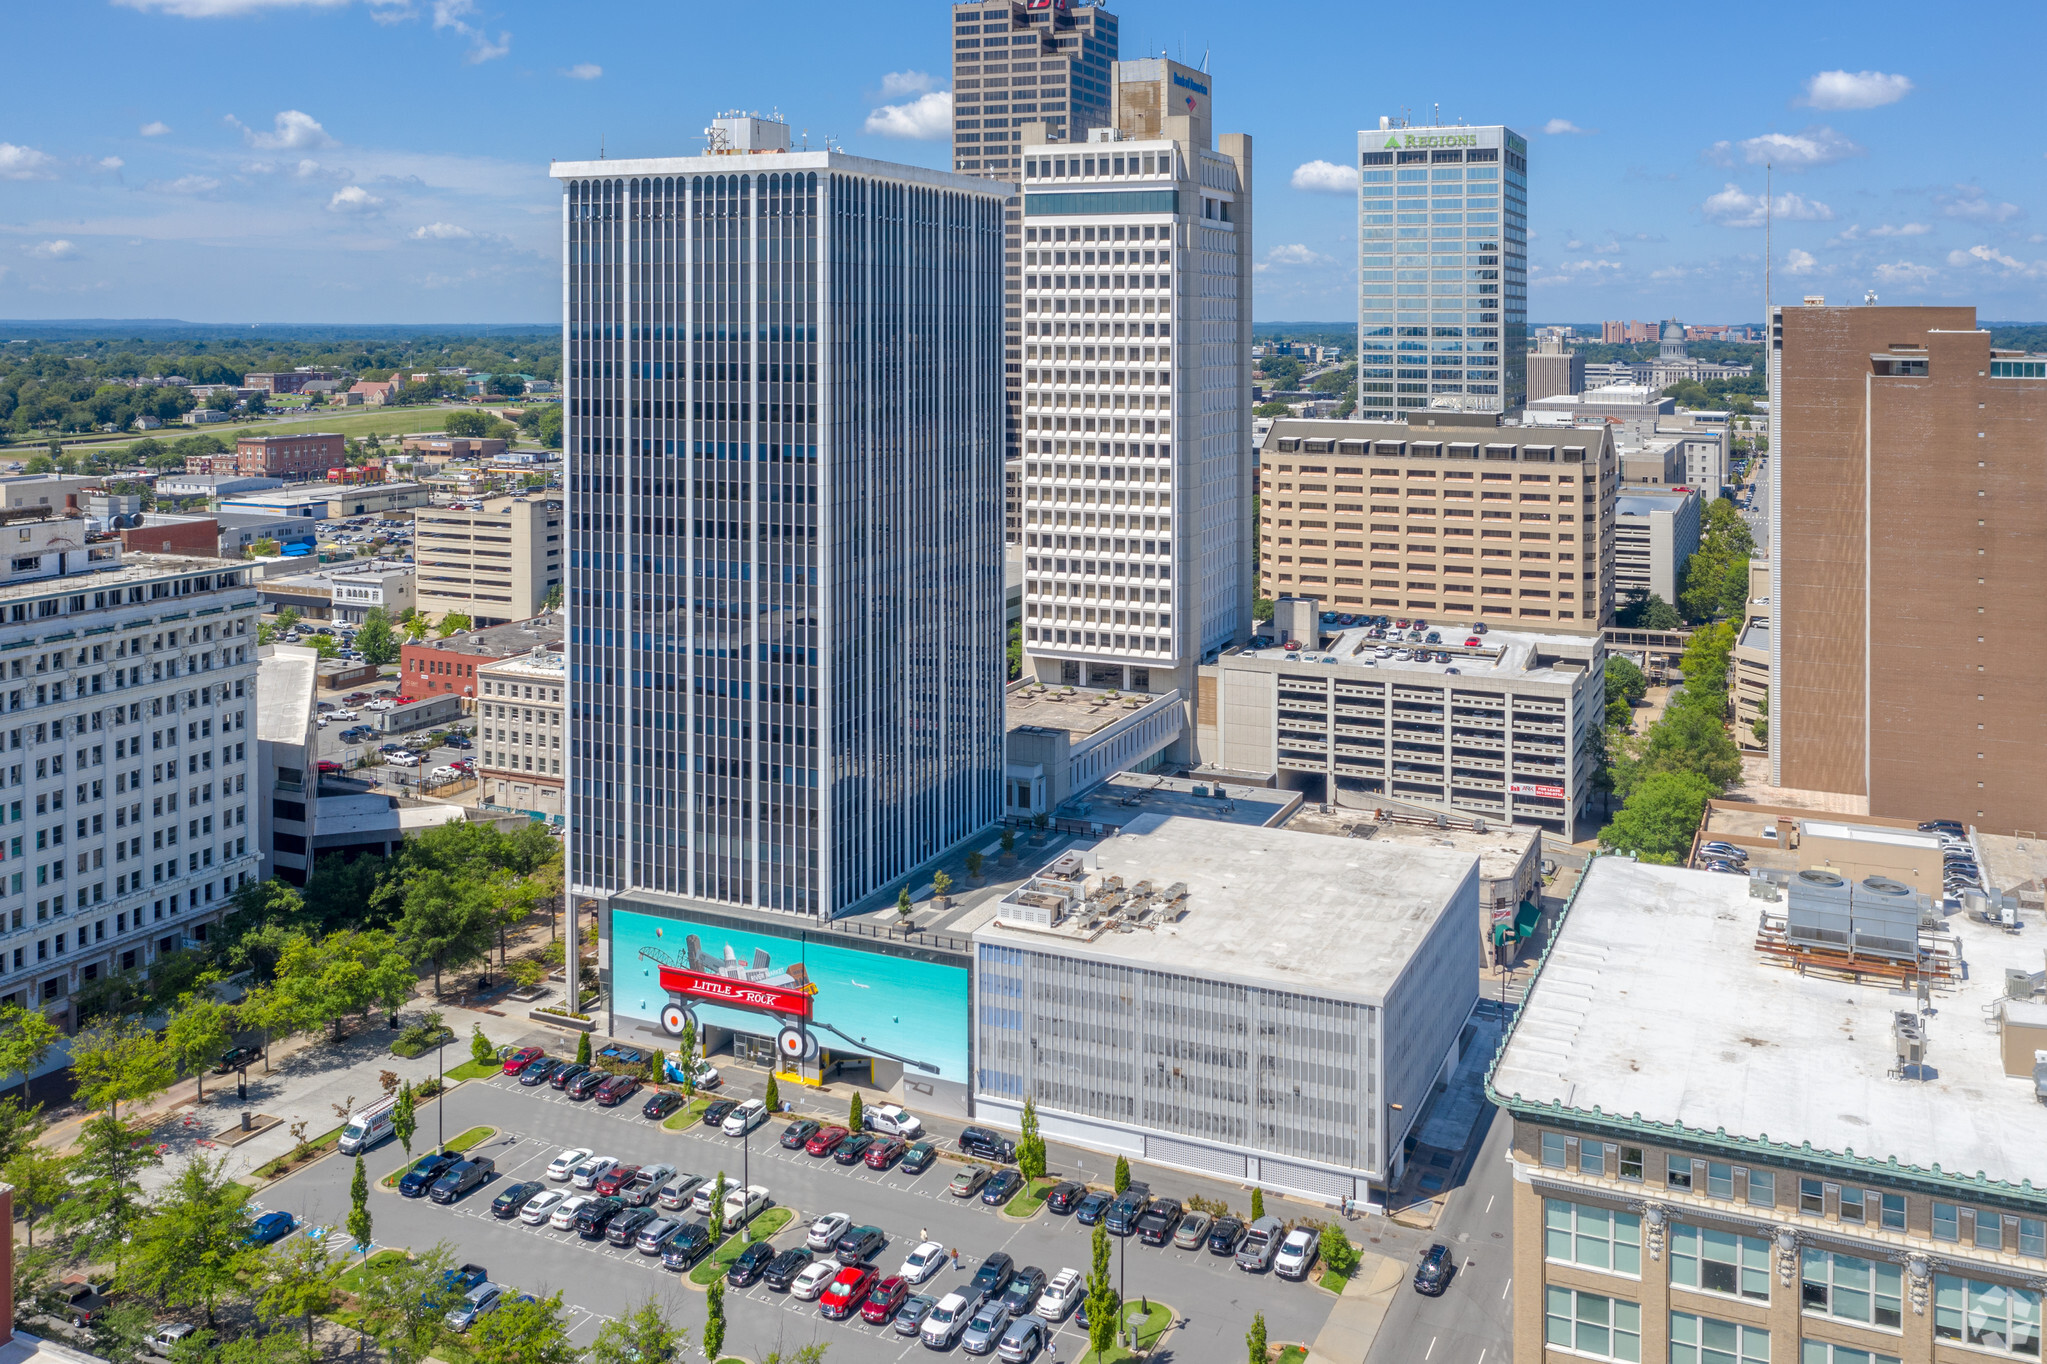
<point>400,174</point>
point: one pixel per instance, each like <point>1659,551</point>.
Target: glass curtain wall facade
<point>1442,270</point>
<point>783,419</point>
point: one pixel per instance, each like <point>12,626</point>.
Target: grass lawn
<point>1293,1354</point>
<point>412,1051</point>
<point>760,1229</point>
<point>349,421</point>
<point>1155,1323</point>
<point>477,1070</point>
<point>1334,1281</point>
<point>687,1116</point>
<point>351,1280</point>
<point>1030,1198</point>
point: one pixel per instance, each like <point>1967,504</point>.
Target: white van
<point>367,1127</point>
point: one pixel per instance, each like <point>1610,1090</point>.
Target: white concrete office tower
<point>125,703</point>
<point>1137,422</point>
<point>783,428</point>
<point>1442,269</point>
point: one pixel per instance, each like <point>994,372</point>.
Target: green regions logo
<point>1394,143</point>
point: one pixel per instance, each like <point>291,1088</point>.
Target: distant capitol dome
<point>1672,348</point>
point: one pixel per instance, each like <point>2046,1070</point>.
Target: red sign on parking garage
<point>1553,792</point>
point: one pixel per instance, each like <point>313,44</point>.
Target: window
<point>1598,1238</point>
<point>1947,1222</point>
<point>1715,1261</point>
<point>1588,1324</point>
<point>1553,1150</point>
<point>1849,1288</point>
<point>1989,1316</point>
<point>1679,1171</point>
<point>1893,1212</point>
<point>1762,1188</point>
<point>1719,1180</point>
<point>1820,1352</point>
<point>1702,1340</point>
<point>1851,1204</point>
<point>2033,1237</point>
<point>1631,1162</point>
<point>1596,1157</point>
<point>1812,1196</point>
<point>1989,1231</point>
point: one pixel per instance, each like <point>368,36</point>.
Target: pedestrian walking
<point>923,1233</point>
<point>955,1257</point>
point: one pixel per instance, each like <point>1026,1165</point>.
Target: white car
<point>700,1201</point>
<point>541,1206</point>
<point>743,1205</point>
<point>591,1170</point>
<point>444,773</point>
<point>826,1231</point>
<point>1060,1295</point>
<point>341,713</point>
<point>943,1323</point>
<point>745,1118</point>
<point>565,1164</point>
<point>402,759</point>
<point>381,703</point>
<point>923,1262</point>
<point>564,1215</point>
<point>1297,1254</point>
<point>892,1120</point>
<point>320,720</point>
<point>812,1280</point>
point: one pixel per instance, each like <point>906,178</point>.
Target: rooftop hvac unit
<point>2022,984</point>
<point>1910,1036</point>
<point>1761,886</point>
<point>1478,826</point>
<point>1878,917</point>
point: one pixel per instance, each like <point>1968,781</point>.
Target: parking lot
<point>1214,1300</point>
<point>333,749</point>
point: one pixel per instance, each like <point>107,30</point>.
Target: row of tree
<point>1665,775</point>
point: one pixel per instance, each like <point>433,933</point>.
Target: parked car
<point>270,1227</point>
<point>568,1210</point>
<point>479,1300</point>
<point>918,1158</point>
<point>892,1120</point>
<point>1224,1235</point>
<point>1060,1295</point>
<point>842,1296</point>
<point>883,1299</point>
<point>826,1230</point>
<point>921,1263</point>
<point>520,1059</point>
<point>979,1141</point>
<point>825,1141</point>
<point>744,1118</point>
<point>444,773</point>
<point>678,1192</point>
<point>660,1105</point>
<point>612,1180</point>
<point>1192,1232</point>
<point>593,1217</point>
<point>569,1074</point>
<point>1021,1340</point>
<point>810,1284</point>
<point>539,1208</point>
<point>858,1245</point>
<point>624,1227</point>
<point>586,1084</point>
<point>853,1149</point>
<point>686,1245</point>
<point>1433,1274</point>
<point>714,1115</point>
<point>237,1058</point>
<point>994,1274</point>
<point>327,767</point>
<point>1297,1253</point>
<point>797,1134</point>
<point>783,1269</point>
<point>1001,1187</point>
<point>425,1171</point>
<point>1063,1196</point>
<point>1122,1216</point>
<point>743,1205</point>
<point>404,757</point>
<point>540,1072</point>
<point>1022,1294</point>
<point>884,1152</point>
<point>1155,1226</point>
<point>645,1187</point>
<point>513,1201</point>
<point>1260,1244</point>
<point>985,1328</point>
<point>1092,1207</point>
<point>166,1339</point>
<point>944,1322</point>
<point>616,1090</point>
<point>458,741</point>
<point>564,1165</point>
<point>750,1264</point>
<point>910,1316</point>
<point>968,1182</point>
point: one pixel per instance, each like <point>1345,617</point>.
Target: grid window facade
<point>1704,1340</point>
<point>1851,1288</point>
<point>783,415</point>
<point>1987,1316</point>
<point>1716,1261</point>
<point>1593,1237</point>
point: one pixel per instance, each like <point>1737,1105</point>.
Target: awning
<point>1527,919</point>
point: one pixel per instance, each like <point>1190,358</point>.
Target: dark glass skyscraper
<point>783,424</point>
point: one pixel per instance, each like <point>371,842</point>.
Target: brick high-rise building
<point>1906,531</point>
<point>1016,63</point>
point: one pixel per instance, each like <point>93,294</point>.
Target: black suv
<point>425,1171</point>
<point>1064,1195</point>
<point>1122,1216</point>
<point>784,1268</point>
<point>1432,1275</point>
<point>751,1264</point>
<point>686,1245</point>
<point>1023,1291</point>
<point>979,1141</point>
<point>1155,1226</point>
<point>595,1215</point>
<point>622,1229</point>
<point>1224,1235</point>
<point>858,1245</point>
<point>993,1276</point>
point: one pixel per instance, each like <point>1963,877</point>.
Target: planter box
<point>562,1021</point>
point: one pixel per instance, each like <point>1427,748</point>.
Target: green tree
<point>375,640</point>
<point>941,884</point>
<point>1122,1175</point>
<point>714,1320</point>
<point>1257,1204</point>
<point>1008,842</point>
<point>1337,1251</point>
<point>198,1033</point>
<point>1660,817</point>
<point>856,1114</point>
<point>446,921</point>
<point>20,1126</point>
<point>454,623</point>
<point>404,1301</point>
<point>1104,1307</point>
<point>325,981</point>
<point>774,1095</point>
<point>1691,737</point>
<point>551,428</point>
<point>26,1036</point>
<point>903,903</point>
<point>1261,1350</point>
<point>643,1336</point>
<point>360,1225</point>
<point>405,1118</point>
<point>583,1050</point>
<point>296,1279</point>
<point>1624,681</point>
<point>41,1181</point>
<point>974,865</point>
<point>106,1201</point>
<point>718,1208</point>
<point>1030,1147</point>
<point>480,1048</point>
<point>119,1062</point>
<point>522,1332</point>
<point>1648,613</point>
<point>189,1248</point>
<point>466,424</point>
<point>686,1056</point>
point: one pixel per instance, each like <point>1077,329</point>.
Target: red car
<point>884,1298</point>
<point>885,1151</point>
<point>846,1291</point>
<point>327,767</point>
<point>522,1058</point>
<point>1472,642</point>
<point>616,1091</point>
<point>826,1141</point>
<point>614,1179</point>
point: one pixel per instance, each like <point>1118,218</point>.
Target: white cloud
<point>1797,262</point>
<point>583,71</point>
<point>186,184</point>
<point>444,232</point>
<point>1990,255</point>
<point>1853,90</point>
<point>1860,233</point>
<point>157,129</point>
<point>1325,177</point>
<point>354,199</point>
<point>1734,207</point>
<point>896,84</point>
<point>1559,127</point>
<point>1294,253</point>
<point>291,130</point>
<point>924,118</point>
<point>1968,202</point>
<point>1818,145</point>
<point>455,15</point>
<point>111,163</point>
<point>55,250</point>
<point>1906,273</point>
<point>25,163</point>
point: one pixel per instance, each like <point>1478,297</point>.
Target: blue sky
<point>386,160</point>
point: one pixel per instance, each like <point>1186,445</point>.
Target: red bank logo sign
<point>737,993</point>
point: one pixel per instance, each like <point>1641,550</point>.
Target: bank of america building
<point>783,424</point>
<point>1442,270</point>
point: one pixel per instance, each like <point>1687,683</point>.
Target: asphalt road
<point>1214,1299</point>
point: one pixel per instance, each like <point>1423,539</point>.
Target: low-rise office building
<point>1800,1126</point>
<point>495,562</point>
<point>1655,535</point>
<point>519,711</point>
<point>453,665</point>
<point>294,457</point>
<point>215,485</point>
<point>1498,732</point>
<point>344,592</point>
<point>57,492</point>
<point>1143,994</point>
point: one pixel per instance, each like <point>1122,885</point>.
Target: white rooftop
<point>1499,654</point>
<point>1292,911</point>
<point>285,677</point>
<point>1654,1005</point>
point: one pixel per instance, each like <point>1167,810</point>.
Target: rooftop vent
<point>1909,1035</point>
<point>1875,918</point>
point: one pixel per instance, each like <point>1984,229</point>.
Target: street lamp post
<point>441,1093</point>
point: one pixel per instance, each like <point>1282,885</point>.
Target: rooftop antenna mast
<point>1769,185</point>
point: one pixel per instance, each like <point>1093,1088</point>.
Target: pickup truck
<point>84,1299</point>
<point>461,1178</point>
<point>456,1283</point>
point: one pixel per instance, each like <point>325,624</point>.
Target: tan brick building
<point>1449,515</point>
<point>494,561</point>
<point>1723,1154</point>
<point>1909,541</point>
<point>292,457</point>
